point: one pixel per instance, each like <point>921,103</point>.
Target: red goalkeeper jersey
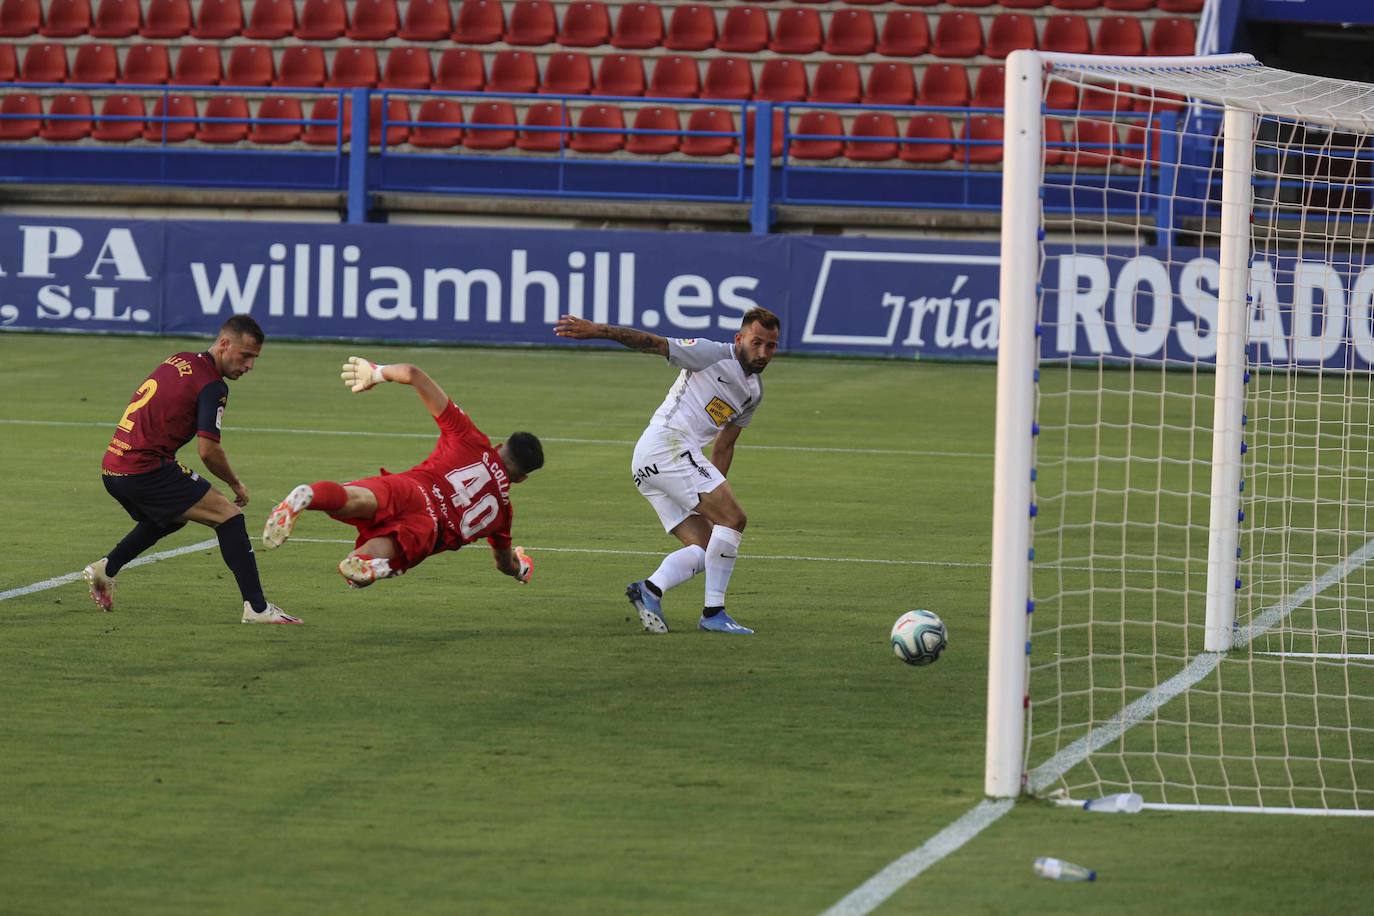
<point>184,397</point>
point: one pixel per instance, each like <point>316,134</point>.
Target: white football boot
<point>361,570</point>
<point>272,614</point>
<point>283,518</point>
<point>102,586</point>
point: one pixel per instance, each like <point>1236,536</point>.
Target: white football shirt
<point>712,390</point>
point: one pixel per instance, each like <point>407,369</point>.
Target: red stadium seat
<point>354,68</point>
<point>1010,32</point>
<point>938,135</point>
<point>817,124</point>
<point>586,24</point>
<point>1173,37</point>
<point>1061,94</point>
<point>182,107</point>
<point>20,18</point>
<point>272,124</point>
<point>1180,6</point>
<point>326,134</point>
<point>218,19</point>
<point>1121,36</point>
<point>945,85</point>
<point>443,132</point>
<point>728,78</point>
<point>1023,4</point>
<point>44,63</point>
<point>197,65</point>
<point>234,127</point>
<point>1075,4</point>
<point>905,34</point>
<point>675,77</point>
<point>95,63</point>
<point>460,70</point>
<point>710,119</point>
<point>426,20</point>
<point>123,106</point>
<point>890,84</point>
<point>497,126</point>
<point>407,68</point>
<point>1093,144</point>
<point>480,22</point>
<point>167,19</point>
<point>397,113</point>
<point>1132,154</point>
<point>567,73</point>
<point>513,71</point>
<point>322,20</point>
<point>9,64</point>
<point>1131,6</point>
<point>691,28</point>
<point>301,65</point>
<point>271,19</point>
<point>373,20</point>
<point>744,31</point>
<point>798,32</point>
<point>602,117</point>
<point>836,81</point>
<point>116,19</point>
<point>775,146</point>
<point>545,114</point>
<point>958,35</point>
<point>1068,34</point>
<point>878,125</point>
<point>919,2</point>
<point>639,26</point>
<point>146,65</point>
<point>75,112</point>
<point>15,127</point>
<point>620,74</point>
<point>532,23</point>
<point>971,3</point>
<point>982,136</point>
<point>655,117</point>
<point>865,2</point>
<point>782,79</point>
<point>851,33</point>
<point>1053,140</point>
<point>249,65</point>
<point>66,19</point>
<point>990,89</point>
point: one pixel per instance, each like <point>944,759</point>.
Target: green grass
<point>453,742</point>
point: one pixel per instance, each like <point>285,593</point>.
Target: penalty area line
<point>46,584</point>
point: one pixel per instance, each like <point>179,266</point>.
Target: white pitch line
<point>46,584</point>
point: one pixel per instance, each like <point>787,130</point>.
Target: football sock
<point>237,551</point>
<point>711,611</point>
<point>676,568</point>
<point>144,535</point>
<point>327,496</point>
<point>721,551</point>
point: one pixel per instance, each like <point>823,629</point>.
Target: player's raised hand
<point>360,374</point>
<point>576,328</point>
<point>526,566</point>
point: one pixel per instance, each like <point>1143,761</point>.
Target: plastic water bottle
<point>1059,870</point>
<point>1128,802</point>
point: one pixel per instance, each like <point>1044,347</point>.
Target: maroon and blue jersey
<point>184,397</point>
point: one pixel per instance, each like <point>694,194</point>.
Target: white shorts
<point>672,475</point>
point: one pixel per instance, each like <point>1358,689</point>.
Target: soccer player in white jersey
<point>714,398</point>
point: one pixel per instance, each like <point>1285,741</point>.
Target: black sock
<point>238,556</point>
<point>658,592</point>
<point>711,611</point>
<point>144,535</point>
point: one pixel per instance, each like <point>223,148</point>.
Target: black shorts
<point>160,496</point>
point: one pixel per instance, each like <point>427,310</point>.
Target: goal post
<point>1184,489</point>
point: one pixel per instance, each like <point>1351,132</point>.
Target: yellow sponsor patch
<point>719,411</point>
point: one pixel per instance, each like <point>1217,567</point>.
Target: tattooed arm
<point>582,329</point>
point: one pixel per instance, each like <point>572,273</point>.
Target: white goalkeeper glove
<point>360,374</point>
<point>526,566</point>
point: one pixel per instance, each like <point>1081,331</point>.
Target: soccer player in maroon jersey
<point>460,493</point>
<point>183,398</point>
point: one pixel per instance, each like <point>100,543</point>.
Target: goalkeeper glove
<point>360,374</point>
<point>526,566</point>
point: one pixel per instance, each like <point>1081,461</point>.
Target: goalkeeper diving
<point>460,493</point>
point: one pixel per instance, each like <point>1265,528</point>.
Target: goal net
<point>1182,592</point>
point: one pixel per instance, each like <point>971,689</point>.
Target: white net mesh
<point>1122,694</point>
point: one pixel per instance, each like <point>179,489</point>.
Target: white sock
<point>720,563</point>
<point>679,566</point>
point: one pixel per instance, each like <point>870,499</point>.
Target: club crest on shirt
<point>687,342</point>
<point>719,411</point>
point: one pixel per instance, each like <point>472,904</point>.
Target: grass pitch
<point>453,742</point>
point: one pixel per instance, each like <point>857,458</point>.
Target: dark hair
<point>761,315</point>
<point>526,451</point>
<point>243,326</point>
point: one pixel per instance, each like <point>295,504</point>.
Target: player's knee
<point>735,518</point>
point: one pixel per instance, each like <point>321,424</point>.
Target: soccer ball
<point>918,637</point>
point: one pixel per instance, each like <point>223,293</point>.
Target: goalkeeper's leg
<point>324,496</point>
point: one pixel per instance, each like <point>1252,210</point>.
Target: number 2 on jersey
<point>145,392</point>
<point>467,483</point>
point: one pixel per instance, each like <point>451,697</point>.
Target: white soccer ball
<point>918,637</point>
